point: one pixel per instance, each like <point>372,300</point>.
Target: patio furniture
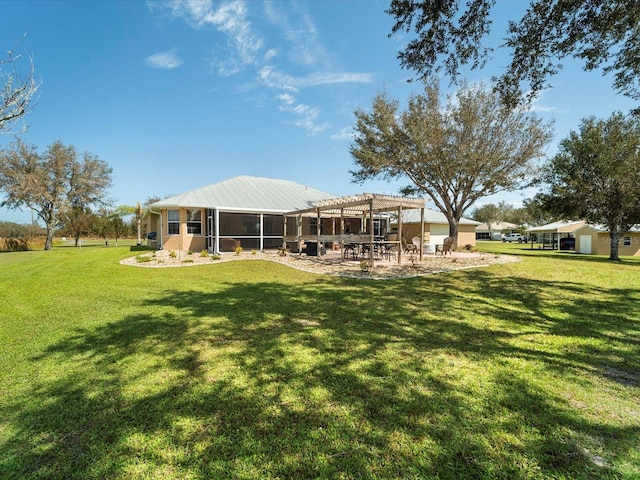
<point>409,247</point>
<point>445,247</point>
<point>350,249</point>
<point>388,249</point>
<point>417,242</point>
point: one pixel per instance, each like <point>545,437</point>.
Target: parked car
<point>514,237</point>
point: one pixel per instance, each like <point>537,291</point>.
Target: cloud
<point>345,134</point>
<point>305,117</point>
<point>243,45</point>
<point>273,78</point>
<point>164,60</point>
<point>296,45</point>
<point>300,32</point>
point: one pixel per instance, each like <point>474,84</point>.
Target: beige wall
<point>601,242</point>
<point>183,241</point>
<point>604,245</point>
<point>466,233</point>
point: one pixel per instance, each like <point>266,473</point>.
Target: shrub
<point>187,260</point>
<point>215,256</point>
<point>239,250</point>
<point>253,252</point>
<point>204,253</point>
<point>173,254</point>
<point>143,258</point>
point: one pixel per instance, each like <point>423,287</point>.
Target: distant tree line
<point>106,224</point>
<point>17,230</point>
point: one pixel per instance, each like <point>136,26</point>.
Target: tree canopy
<point>455,153</point>
<point>596,176</point>
<point>52,183</point>
<point>601,34</point>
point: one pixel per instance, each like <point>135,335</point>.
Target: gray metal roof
<point>565,226</point>
<point>250,194</point>
<point>432,216</point>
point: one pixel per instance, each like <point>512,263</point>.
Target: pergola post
<point>400,237</point>
<point>371,238</point>
<point>318,225</point>
<point>421,232</point>
<point>342,230</point>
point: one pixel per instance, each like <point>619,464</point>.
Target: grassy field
<point>528,370</point>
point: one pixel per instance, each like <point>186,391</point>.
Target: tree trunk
<point>453,231</point>
<point>48,244</point>
<point>139,237</point>
<point>615,239</point>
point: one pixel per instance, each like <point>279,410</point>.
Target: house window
<point>173,222</point>
<point>313,226</point>
<point>626,241</point>
<point>194,222</point>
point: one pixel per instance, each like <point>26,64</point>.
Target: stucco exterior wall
<point>182,241</point>
<point>466,233</point>
<point>600,242</point>
<point>632,250</point>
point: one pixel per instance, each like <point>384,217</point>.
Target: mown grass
<point>253,370</point>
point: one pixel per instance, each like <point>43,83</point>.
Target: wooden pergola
<point>363,206</point>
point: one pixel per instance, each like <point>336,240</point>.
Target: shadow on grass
<point>527,251</point>
<point>335,378</point>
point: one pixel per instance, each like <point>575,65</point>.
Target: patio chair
<point>416,241</point>
<point>387,249</point>
<point>408,247</point>
<point>350,249</point>
<point>446,246</point>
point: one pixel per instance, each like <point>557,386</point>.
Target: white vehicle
<point>514,237</point>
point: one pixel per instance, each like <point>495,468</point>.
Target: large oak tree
<point>601,34</point>
<point>52,183</point>
<point>596,176</point>
<point>454,152</point>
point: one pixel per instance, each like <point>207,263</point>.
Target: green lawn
<point>528,370</point>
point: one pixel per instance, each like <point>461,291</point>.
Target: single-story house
<point>483,232</point>
<point>436,228</point>
<point>242,211</point>
<point>262,213</point>
<point>591,239</point>
<point>557,235</point>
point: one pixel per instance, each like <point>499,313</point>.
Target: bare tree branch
<point>17,92</point>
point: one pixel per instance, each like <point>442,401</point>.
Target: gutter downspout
<point>161,237</point>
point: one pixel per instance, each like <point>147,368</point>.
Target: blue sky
<point>179,95</point>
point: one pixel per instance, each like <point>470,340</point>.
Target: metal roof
<point>432,216</point>
<point>250,194</point>
<point>563,226</point>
